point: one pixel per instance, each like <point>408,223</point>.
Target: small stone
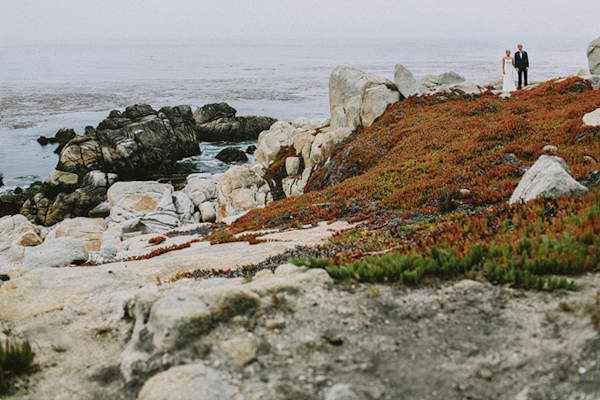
<point>590,159</point>
<point>275,323</point>
<point>242,351</point>
<point>582,370</point>
<point>486,374</point>
<point>551,150</point>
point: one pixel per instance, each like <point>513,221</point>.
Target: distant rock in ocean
<point>218,123</point>
<point>231,154</point>
<point>62,137</point>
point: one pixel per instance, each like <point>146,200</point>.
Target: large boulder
<point>241,189</point>
<point>405,81</point>
<point>549,177</point>
<point>200,188</point>
<point>58,252</point>
<point>356,97</point>
<point>450,78</point>
<point>16,230</point>
<point>48,208</point>
<point>281,134</point>
<point>593,53</point>
<point>53,252</point>
<point>217,123</point>
<point>130,199</point>
<point>134,144</point>
<point>148,207</point>
<point>88,230</point>
<point>427,83</point>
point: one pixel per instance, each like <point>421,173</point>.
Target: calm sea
<point>46,87</point>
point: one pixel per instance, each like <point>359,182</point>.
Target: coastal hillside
<point>434,174</point>
<point>420,154</point>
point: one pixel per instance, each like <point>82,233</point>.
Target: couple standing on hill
<point>521,63</point>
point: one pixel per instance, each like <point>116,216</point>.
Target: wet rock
<point>48,208</point>
<point>11,204</point>
<point>549,177</point>
<point>62,137</point>
<point>250,149</point>
<point>43,140</point>
<point>138,143</point>
<point>231,155</point>
<point>217,122</point>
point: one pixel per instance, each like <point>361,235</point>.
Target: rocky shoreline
<point>127,323</point>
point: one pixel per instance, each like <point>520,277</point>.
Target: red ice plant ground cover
<point>457,159</point>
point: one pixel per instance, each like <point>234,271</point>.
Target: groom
<point>521,64</point>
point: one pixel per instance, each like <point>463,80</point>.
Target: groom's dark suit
<point>521,64</point>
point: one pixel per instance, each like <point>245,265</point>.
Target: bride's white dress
<point>508,85</point>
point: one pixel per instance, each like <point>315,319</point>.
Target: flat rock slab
<point>228,255</point>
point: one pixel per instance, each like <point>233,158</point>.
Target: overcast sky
<point>88,20</point>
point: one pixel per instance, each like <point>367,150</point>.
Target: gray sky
<point>86,20</point>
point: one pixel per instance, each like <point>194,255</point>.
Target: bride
<point>508,69</point>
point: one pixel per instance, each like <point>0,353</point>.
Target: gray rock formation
<point>593,54</point>
<point>218,123</point>
<point>134,144</point>
<point>137,143</point>
<point>549,177</point>
<point>405,81</point>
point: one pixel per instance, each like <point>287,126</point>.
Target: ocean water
<point>44,87</point>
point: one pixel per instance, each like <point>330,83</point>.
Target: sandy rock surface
<point>113,332</point>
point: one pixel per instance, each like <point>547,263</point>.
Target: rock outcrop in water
<point>138,143</point>
<point>218,123</point>
<point>134,144</point>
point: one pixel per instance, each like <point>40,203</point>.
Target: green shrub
<point>15,358</point>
